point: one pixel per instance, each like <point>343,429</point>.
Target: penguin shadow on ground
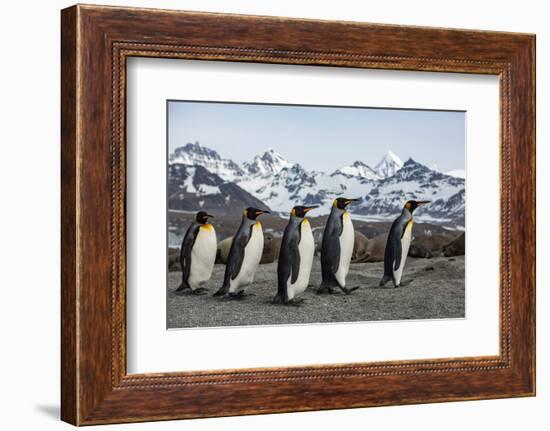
<point>293,303</point>
<point>236,297</point>
<point>390,286</point>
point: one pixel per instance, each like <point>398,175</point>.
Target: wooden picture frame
<point>95,43</point>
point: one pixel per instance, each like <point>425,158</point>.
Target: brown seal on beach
<point>360,253</point>
<point>456,246</point>
<point>419,250</point>
<point>432,243</point>
<point>272,246</point>
<point>376,247</point>
<point>270,254</point>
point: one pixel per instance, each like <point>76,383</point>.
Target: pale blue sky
<point>320,138</point>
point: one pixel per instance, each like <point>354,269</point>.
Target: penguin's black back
<point>393,251</point>
<point>185,251</point>
<point>330,248</point>
<point>289,259</point>
<point>236,256</point>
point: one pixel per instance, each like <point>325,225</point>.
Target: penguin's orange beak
<point>420,203</point>
<point>209,216</point>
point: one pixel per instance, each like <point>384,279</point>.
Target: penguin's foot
<point>296,302</point>
<point>200,291</point>
<point>277,300</point>
<point>384,280</point>
<point>348,290</point>
<point>326,289</point>
<point>240,295</point>
<point>182,288</point>
<point>220,292</point>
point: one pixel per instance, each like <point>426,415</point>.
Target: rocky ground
<point>433,288</point>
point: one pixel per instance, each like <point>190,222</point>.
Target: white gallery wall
<point>30,213</point>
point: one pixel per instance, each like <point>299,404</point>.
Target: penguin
<point>295,257</point>
<point>398,243</point>
<point>244,256</point>
<point>337,248</point>
<point>197,254</point>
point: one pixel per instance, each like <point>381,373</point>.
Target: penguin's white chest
<point>252,256</point>
<point>203,256</point>
<point>347,240</point>
<point>405,244</point>
<point>306,249</point>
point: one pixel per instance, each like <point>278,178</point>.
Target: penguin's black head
<point>253,213</point>
<point>412,205</point>
<point>301,211</point>
<point>342,203</point>
<point>202,217</point>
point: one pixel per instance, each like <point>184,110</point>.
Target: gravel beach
<point>432,289</point>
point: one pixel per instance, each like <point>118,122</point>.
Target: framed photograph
<point>266,215</point>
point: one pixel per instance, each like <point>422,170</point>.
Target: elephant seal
<point>223,250</point>
<point>360,253</point>
<point>272,246</point>
<point>432,243</point>
<point>376,247</point>
<point>270,254</point>
<point>456,247</point>
<point>419,250</point>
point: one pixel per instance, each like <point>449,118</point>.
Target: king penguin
<point>337,248</point>
<point>398,243</point>
<point>197,254</point>
<point>295,258</point>
<point>244,255</point>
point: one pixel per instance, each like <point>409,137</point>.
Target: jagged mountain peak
<point>269,163</point>
<point>391,156</point>
<point>194,154</point>
<point>358,169</point>
<point>197,149</point>
<point>410,161</point>
<point>389,165</point>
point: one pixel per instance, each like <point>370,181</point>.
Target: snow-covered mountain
<point>389,165</point>
<point>269,163</point>
<point>271,181</point>
<point>416,181</point>
<point>359,169</point>
<point>194,187</point>
<point>195,154</point>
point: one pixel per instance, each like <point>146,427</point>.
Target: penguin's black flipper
<point>235,260</point>
<point>185,254</point>
<point>330,256</point>
<point>392,253</point>
<point>236,254</point>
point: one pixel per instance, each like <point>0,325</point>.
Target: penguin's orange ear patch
<point>408,205</point>
<point>293,212</point>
